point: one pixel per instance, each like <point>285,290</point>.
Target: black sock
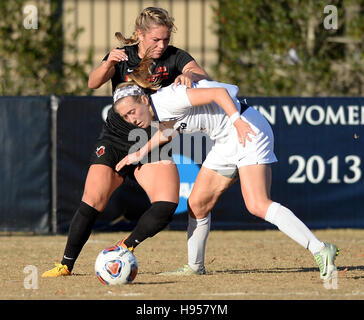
<point>79,232</point>
<point>154,220</point>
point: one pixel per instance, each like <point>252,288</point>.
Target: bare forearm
<point>199,76</point>
<point>100,75</point>
<point>158,139</point>
<point>191,72</point>
<point>223,99</point>
<point>218,95</point>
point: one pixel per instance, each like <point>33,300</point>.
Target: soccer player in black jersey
<point>153,30</point>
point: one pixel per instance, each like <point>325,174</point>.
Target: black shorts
<point>109,153</point>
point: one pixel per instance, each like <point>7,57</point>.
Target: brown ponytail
<point>141,75</point>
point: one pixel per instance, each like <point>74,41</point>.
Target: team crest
<point>100,151</point>
<point>182,126</point>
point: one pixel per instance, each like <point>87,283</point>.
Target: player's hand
<point>129,159</point>
<point>184,79</point>
<point>244,130</point>
<point>115,56</point>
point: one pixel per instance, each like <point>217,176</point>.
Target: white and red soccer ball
<point>116,265</point>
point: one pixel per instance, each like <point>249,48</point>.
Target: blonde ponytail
<point>127,41</point>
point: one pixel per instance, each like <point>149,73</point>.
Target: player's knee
<point>198,208</point>
<point>97,201</point>
<point>256,208</point>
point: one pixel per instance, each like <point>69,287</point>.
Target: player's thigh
<point>255,181</point>
<point>160,180</point>
<point>101,182</point>
<point>207,189</point>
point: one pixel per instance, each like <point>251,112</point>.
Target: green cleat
<point>325,259</point>
<point>183,271</point>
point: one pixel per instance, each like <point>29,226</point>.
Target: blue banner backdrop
<point>25,164</point>
<point>319,174</point>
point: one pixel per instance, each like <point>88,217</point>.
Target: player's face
<point>156,39</point>
<point>135,112</point>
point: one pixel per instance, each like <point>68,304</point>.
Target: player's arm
<point>191,72</point>
<point>106,70</point>
<point>165,134</point>
<point>220,96</point>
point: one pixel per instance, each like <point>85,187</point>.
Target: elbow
<point>223,90</point>
<point>92,85</point>
<point>219,95</point>
<point>93,81</point>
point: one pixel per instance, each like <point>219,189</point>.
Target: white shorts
<point>228,155</point>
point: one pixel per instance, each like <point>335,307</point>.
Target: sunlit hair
<point>141,77</point>
<point>147,19</point>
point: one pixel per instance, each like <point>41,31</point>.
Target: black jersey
<point>166,68</point>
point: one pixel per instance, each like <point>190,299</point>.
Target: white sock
<point>197,232</point>
<point>293,227</point>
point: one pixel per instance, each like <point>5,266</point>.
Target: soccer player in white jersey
<point>243,144</point>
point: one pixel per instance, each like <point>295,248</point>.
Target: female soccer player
<point>153,28</point>
<point>243,141</point>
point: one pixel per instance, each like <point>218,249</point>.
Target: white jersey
<point>171,103</point>
<point>227,154</point>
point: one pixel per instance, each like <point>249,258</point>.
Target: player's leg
<point>255,180</point>
<point>160,180</point>
<point>100,183</point>
<point>207,189</point>
<point>255,184</point>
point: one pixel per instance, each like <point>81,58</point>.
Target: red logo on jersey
<point>158,77</point>
<point>161,69</point>
<point>100,151</point>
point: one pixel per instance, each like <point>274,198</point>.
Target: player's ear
<point>140,34</point>
<point>145,100</point>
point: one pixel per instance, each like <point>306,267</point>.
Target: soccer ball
<point>116,265</point>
